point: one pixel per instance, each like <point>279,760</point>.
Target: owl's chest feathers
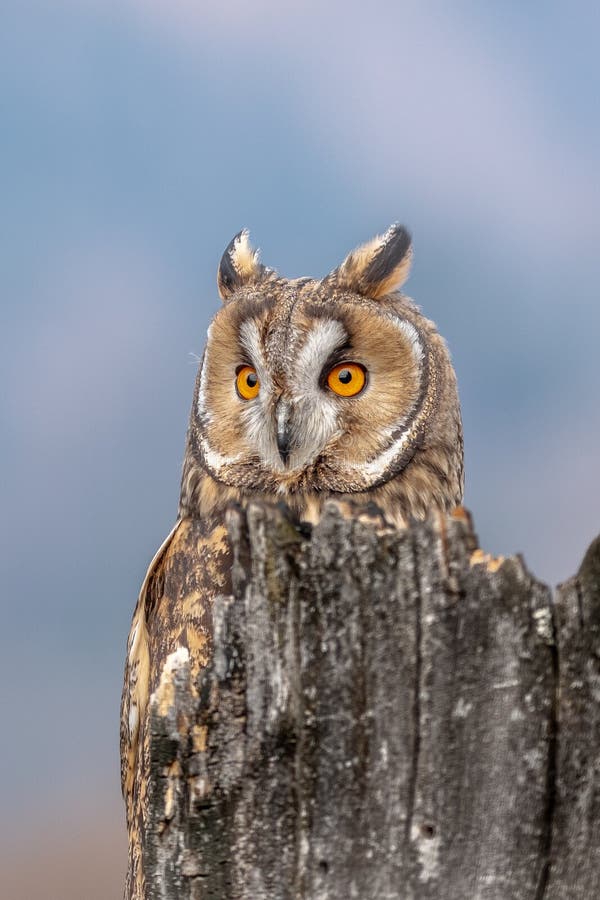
<point>429,482</point>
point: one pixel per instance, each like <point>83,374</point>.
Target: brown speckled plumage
<point>397,443</point>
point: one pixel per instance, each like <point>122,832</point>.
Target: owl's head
<point>325,386</point>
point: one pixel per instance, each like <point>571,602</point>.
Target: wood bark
<point>388,714</point>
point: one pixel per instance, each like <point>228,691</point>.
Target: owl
<point>308,389</point>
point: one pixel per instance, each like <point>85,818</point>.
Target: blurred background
<point>137,137</point>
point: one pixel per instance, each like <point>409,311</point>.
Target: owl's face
<point>320,386</point>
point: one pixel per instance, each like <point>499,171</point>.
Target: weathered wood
<point>387,715</point>
<point>575,869</point>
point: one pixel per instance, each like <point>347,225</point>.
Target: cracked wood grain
<point>387,714</point>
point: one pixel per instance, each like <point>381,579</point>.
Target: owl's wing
<point>137,672</point>
<point>173,613</point>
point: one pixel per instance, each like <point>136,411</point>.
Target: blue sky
<point>137,138</point>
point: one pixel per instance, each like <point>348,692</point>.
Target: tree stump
<point>388,715</point>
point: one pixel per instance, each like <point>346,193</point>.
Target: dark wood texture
<point>389,715</point>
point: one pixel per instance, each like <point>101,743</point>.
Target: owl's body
<point>308,390</point>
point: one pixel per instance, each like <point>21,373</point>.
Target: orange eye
<point>247,383</point>
<point>347,379</point>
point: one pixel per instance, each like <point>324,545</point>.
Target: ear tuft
<point>378,267</point>
<point>240,264</point>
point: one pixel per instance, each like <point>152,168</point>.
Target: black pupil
<point>251,379</point>
<point>345,376</point>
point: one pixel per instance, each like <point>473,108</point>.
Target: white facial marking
<point>202,406</point>
<point>257,414</point>
<point>250,341</point>
<point>325,336</point>
<point>215,460</point>
<point>412,335</point>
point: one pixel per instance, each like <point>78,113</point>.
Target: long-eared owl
<point>308,389</point>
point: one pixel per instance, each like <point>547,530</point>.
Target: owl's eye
<point>347,379</point>
<point>246,383</point>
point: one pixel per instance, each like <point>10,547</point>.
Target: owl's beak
<point>283,445</point>
<point>283,430</point>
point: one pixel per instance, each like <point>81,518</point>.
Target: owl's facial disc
<point>295,399</point>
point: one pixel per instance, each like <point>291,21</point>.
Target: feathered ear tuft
<point>240,264</point>
<point>378,267</point>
